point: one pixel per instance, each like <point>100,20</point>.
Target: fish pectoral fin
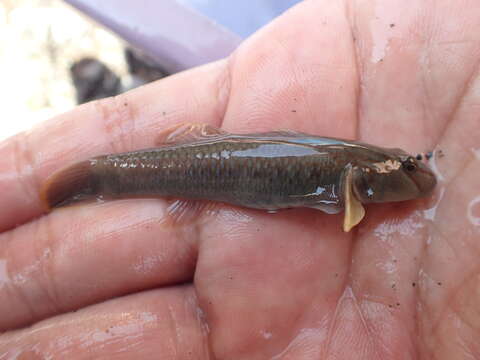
<point>354,211</point>
<point>187,132</point>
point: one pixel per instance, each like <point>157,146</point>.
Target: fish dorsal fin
<point>354,211</point>
<point>295,137</point>
<point>284,133</point>
<point>187,132</point>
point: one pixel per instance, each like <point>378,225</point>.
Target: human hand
<point>245,284</point>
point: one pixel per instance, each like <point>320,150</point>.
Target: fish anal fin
<point>354,211</point>
<point>187,132</point>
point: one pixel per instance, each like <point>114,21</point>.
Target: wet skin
<point>245,284</point>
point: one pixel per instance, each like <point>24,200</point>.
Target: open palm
<point>245,284</point>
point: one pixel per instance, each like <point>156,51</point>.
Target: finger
<point>164,323</point>
<point>126,122</point>
<point>406,60</point>
<point>81,255</point>
<point>280,81</point>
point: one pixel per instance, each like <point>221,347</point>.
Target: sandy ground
<point>39,40</point>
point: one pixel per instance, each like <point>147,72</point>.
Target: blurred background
<point>39,42</point>
<point>55,54</point>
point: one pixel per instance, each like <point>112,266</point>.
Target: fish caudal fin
<point>67,185</point>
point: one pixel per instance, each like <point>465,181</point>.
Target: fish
<point>270,171</point>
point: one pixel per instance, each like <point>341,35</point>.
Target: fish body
<point>270,171</point>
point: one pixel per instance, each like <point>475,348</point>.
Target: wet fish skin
<point>266,171</point>
<point>253,174</point>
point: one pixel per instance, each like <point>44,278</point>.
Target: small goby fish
<point>272,170</point>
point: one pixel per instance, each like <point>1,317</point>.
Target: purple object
<point>180,34</point>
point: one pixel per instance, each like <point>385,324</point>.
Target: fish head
<point>392,175</point>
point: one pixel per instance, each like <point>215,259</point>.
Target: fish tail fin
<point>67,185</point>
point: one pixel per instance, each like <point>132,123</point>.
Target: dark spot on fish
<point>398,304</point>
<point>413,284</point>
<point>125,104</point>
<point>336,274</point>
<point>392,25</point>
<point>164,113</point>
<point>439,283</point>
<point>294,111</point>
<point>393,286</point>
<point>390,305</point>
<point>440,154</point>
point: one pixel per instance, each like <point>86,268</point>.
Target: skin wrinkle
<point>174,326</point>
<point>373,301</point>
<point>223,87</point>
<point>351,20</point>
<point>48,272</point>
<point>328,342</point>
<point>465,165</point>
<point>449,301</point>
<point>16,290</point>
<point>358,309</point>
<point>436,329</point>
<point>118,121</point>
<point>458,102</point>
<point>23,160</point>
<point>370,336</point>
<point>426,98</point>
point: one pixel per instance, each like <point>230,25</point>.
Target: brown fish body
<point>266,171</point>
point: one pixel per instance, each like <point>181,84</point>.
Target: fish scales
<point>237,172</point>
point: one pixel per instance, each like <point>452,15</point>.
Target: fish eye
<point>409,164</point>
